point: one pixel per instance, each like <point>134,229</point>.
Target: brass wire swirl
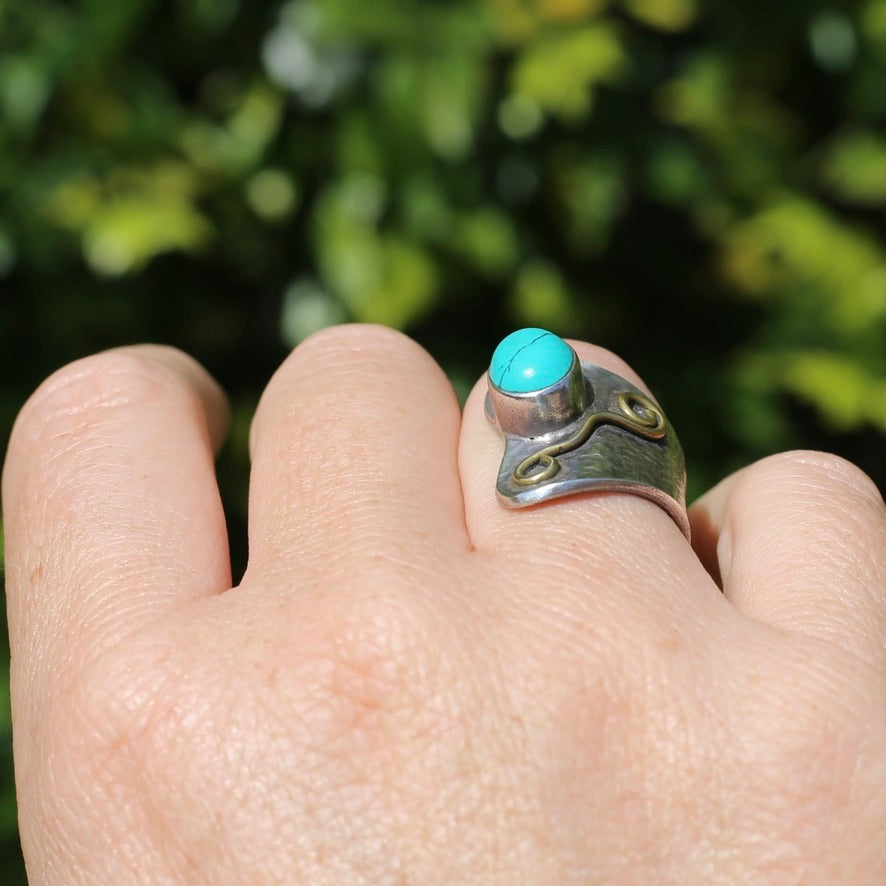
<point>648,422</point>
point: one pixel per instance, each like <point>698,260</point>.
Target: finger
<point>354,457</point>
<point>799,540</point>
<point>624,536</point>
<point>110,502</point>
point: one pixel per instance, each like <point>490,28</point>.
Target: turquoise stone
<point>529,360</point>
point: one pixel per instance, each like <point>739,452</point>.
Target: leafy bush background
<point>697,184</point>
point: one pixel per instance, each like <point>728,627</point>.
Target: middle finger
<point>354,456</point>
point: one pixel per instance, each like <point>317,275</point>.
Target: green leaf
<point>561,72</point>
<point>541,297</point>
<point>795,251</point>
<point>380,277</point>
<point>855,167</point>
<point>519,21</point>
<point>487,238</point>
<point>666,15</point>
<point>845,393</point>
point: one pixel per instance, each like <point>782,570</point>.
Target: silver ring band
<point>588,430</point>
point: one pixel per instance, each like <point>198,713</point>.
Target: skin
<point>412,684</point>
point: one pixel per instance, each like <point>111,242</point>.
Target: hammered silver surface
<point>612,459</point>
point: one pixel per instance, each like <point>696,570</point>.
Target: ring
<point>573,427</point>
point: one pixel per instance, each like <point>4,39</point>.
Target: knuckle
<point>822,758</point>
<point>353,361</point>
<point>833,502</point>
<point>110,705</point>
<point>81,394</point>
<point>333,350</point>
<point>88,748</point>
<point>354,336</point>
<point>818,742</point>
<point>127,724</point>
<point>370,670</point>
<point>834,476</point>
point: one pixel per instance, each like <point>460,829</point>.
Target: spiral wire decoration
<point>639,415</point>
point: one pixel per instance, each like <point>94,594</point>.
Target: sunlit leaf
<point>855,167</point>
<point>592,191</point>
<point>795,250</point>
<point>846,394</point>
<point>239,143</point>
<point>488,239</point>
<point>453,91</point>
<point>272,194</point>
<point>668,15</point>
<point>130,217</point>
<point>380,278</point>
<point>516,21</point>
<point>699,95</point>
<point>438,97</point>
<point>124,234</point>
<point>519,117</point>
<point>873,23</point>
<point>567,10</point>
<point>560,72</point>
<point>541,297</point>
<point>24,90</point>
<point>749,130</point>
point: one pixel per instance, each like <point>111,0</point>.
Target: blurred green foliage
<point>699,185</point>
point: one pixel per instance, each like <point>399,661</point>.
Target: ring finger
<point>625,537</point>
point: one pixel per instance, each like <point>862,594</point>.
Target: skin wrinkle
<point>118,754</point>
<point>108,501</point>
<point>67,809</point>
<point>104,386</point>
<point>804,730</point>
<point>810,491</point>
<point>768,549</point>
<point>111,611</point>
<point>321,493</point>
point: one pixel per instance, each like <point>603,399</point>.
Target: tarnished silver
<point>592,431</point>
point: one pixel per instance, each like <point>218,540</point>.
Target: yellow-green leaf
<point>560,72</point>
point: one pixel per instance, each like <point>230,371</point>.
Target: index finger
<point>111,508</point>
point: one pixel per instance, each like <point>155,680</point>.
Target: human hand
<point>412,684</point>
